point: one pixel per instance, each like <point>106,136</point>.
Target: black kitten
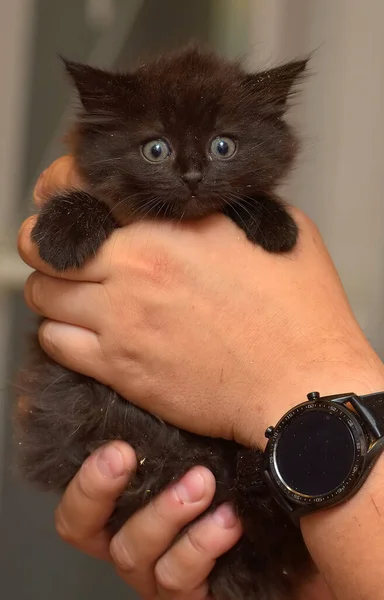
<point>179,138</point>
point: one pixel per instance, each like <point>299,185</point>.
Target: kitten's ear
<point>274,87</point>
<point>95,87</point>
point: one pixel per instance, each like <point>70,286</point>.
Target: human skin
<point>195,324</point>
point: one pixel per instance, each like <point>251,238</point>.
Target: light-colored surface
<point>339,180</point>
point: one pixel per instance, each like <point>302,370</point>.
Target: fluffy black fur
<point>185,99</point>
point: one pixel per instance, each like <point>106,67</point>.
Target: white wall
<point>340,177</point>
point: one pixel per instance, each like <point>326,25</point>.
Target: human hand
<point>193,323</point>
<point>144,551</point>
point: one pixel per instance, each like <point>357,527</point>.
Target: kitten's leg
<point>70,228</point>
<point>266,222</point>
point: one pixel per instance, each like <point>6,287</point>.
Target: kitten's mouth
<point>195,207</point>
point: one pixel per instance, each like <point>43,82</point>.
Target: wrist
<point>353,530</point>
<point>327,377</point>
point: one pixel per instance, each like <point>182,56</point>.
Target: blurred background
<point>339,181</point>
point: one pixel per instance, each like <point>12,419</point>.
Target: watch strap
<point>371,409</point>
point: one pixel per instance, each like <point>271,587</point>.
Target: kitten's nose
<point>192,179</point>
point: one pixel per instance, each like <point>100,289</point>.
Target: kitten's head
<point>183,136</point>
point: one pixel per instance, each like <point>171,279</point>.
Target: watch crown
<point>313,396</point>
<point>269,432</point>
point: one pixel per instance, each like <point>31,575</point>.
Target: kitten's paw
<point>266,222</point>
<point>70,229</point>
<point>280,234</point>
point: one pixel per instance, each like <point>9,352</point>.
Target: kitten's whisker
<point>169,207</point>
<point>238,214</point>
<point>157,202</point>
<point>105,160</point>
<point>150,205</point>
<point>252,201</point>
<point>126,199</point>
<point>233,205</point>
<point>101,118</point>
<point>182,216</point>
<point>253,218</point>
<point>161,205</point>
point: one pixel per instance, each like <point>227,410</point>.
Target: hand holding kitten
<point>183,320</point>
<point>145,553</point>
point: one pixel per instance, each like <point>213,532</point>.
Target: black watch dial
<point>316,452</point>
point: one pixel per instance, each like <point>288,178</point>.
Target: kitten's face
<point>183,137</point>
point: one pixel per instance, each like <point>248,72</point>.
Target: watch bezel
<point>361,448</point>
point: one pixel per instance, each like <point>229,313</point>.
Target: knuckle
<point>158,269</point>
<point>309,224</point>
<point>62,171</point>
<point>121,556</point>
<point>39,189</point>
<point>24,236</point>
<point>166,577</point>
<point>304,221</point>
<point>59,168</point>
<point>57,175</point>
<point>158,510</point>
<point>85,483</point>
<point>167,513</point>
<point>196,541</point>
<point>34,292</point>
<point>48,341</point>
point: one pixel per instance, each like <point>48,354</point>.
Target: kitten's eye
<point>223,147</point>
<point>156,150</point>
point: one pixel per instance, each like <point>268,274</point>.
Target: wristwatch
<point>320,452</point>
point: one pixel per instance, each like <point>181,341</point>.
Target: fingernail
<point>110,462</point>
<point>39,187</point>
<point>191,487</point>
<point>225,516</point>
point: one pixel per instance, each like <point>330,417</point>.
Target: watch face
<point>317,452</point>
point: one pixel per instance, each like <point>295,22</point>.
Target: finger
<point>96,270</point>
<point>66,301</point>
<point>74,347</point>
<point>29,253</point>
<point>200,593</point>
<point>90,498</point>
<point>147,535</point>
<point>60,175</point>
<point>187,565</point>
